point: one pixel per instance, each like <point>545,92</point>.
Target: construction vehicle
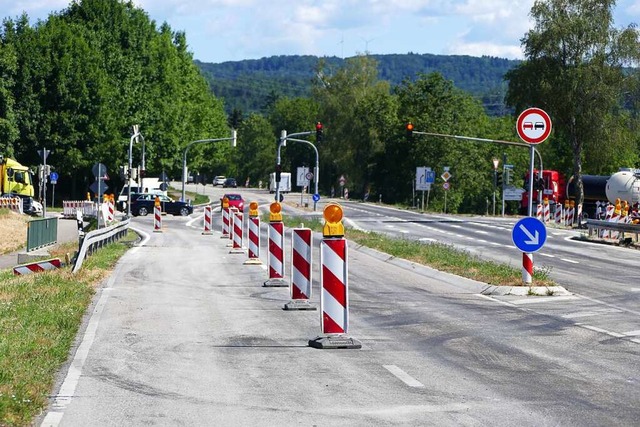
<point>17,180</point>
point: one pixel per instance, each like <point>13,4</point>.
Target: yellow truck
<point>17,181</point>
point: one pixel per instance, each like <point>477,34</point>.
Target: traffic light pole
<point>498,141</point>
<point>233,139</point>
<point>316,172</point>
<point>283,140</point>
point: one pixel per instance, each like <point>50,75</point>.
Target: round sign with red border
<point>533,125</point>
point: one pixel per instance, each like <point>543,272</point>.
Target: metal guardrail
<point>42,232</point>
<point>98,238</point>
<point>594,224</point>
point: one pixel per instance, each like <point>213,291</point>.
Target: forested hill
<point>250,84</point>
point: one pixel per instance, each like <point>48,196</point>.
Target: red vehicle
<point>553,186</point>
<point>235,201</point>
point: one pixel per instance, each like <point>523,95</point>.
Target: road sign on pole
<point>533,125</point>
<point>529,234</point>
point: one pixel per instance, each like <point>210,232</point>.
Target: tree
<point>574,70</point>
<point>358,112</point>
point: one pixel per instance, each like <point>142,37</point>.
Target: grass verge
<point>442,257</point>
<point>40,315</point>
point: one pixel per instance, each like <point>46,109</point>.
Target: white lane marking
<point>496,243</point>
<point>403,376</point>
<point>68,387</point>
<point>455,226</point>
<point>508,304</point>
<point>632,333</point>
<point>480,231</point>
<point>591,313</point>
<point>427,239</point>
<point>569,261</point>
<point>547,255</point>
<point>600,330</point>
<point>634,290</point>
<point>534,300</point>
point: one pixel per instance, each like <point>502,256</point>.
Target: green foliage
<point>86,75</point>
<point>574,70</point>
<point>250,84</point>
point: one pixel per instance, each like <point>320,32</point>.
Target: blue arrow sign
<point>529,234</point>
<point>53,176</point>
<point>316,197</point>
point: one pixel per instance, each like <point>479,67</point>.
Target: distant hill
<point>249,85</point>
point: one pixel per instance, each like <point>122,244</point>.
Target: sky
<point>234,30</point>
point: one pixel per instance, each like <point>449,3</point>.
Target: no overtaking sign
<point>534,125</point>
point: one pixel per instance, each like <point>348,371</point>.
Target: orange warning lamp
<point>88,196</point>
<point>332,221</point>
<point>253,209</point>
<point>275,212</point>
<point>156,203</point>
<point>225,202</point>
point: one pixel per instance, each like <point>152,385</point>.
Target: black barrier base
<point>297,304</point>
<point>275,283</point>
<point>334,342</point>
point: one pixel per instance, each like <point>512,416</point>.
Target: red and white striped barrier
<point>11,203</point>
<point>527,268</point>
<point>71,207</point>
<point>275,256</point>
<point>208,220</point>
<point>615,218</point>
<point>539,211</point>
<point>301,262</point>
<point>112,211</point>
<point>334,296</point>
<point>569,216</point>
<point>559,214</point>
<point>35,267</point>
<point>157,219</point>
<point>253,237</point>
<point>237,233</point>
<point>225,223</point>
<point>546,211</point>
<point>607,217</point>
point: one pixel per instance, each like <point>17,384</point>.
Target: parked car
<point>143,204</point>
<point>219,180</point>
<point>235,201</point>
<point>230,183</point>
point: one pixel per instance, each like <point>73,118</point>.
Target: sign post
<point>533,127</point>
<point>529,234</point>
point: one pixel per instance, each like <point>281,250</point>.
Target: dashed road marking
<point>403,376</point>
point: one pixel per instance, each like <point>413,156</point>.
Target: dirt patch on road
<point>13,231</point>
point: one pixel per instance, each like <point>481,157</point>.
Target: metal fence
<point>99,238</point>
<point>595,226</point>
<point>42,232</point>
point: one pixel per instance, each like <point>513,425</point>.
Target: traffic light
<point>538,184</point>
<point>498,179</point>
<point>318,132</point>
<point>409,128</point>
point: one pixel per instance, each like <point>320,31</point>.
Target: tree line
<point>76,83</point>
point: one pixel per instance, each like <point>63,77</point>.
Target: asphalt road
<point>183,333</point>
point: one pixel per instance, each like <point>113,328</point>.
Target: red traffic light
<point>410,127</point>
<point>318,132</point>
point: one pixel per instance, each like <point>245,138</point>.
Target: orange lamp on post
<point>333,226</point>
<point>225,202</point>
<point>275,212</point>
<point>253,209</point>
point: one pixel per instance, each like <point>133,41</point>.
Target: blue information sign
<point>53,176</point>
<point>316,197</point>
<point>431,177</point>
<point>529,234</point>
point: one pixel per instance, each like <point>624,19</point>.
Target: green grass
<point>436,255</point>
<point>40,315</point>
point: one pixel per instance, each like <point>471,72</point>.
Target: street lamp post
<point>233,139</point>
<point>316,173</point>
<point>496,162</point>
<point>135,136</point>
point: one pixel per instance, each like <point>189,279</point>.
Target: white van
<point>149,185</point>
